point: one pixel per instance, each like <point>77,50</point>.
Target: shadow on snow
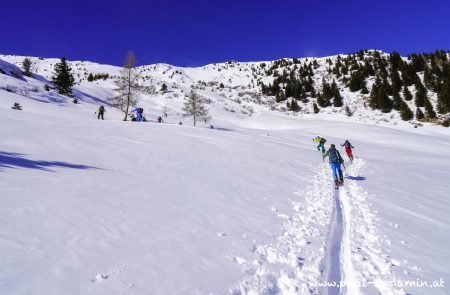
<point>15,160</point>
<point>359,178</point>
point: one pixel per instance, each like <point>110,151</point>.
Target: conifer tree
<point>444,98</point>
<point>26,65</point>
<point>419,114</point>
<point>429,110</point>
<point>90,78</point>
<point>396,82</point>
<point>421,97</point>
<point>405,112</point>
<point>384,102</point>
<point>294,106</point>
<point>337,101</point>
<point>355,81</point>
<point>63,78</point>
<point>164,88</point>
<point>407,94</point>
<point>396,102</point>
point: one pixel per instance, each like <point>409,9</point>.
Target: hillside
<point>340,85</point>
<point>246,207</point>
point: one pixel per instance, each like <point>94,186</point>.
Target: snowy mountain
<point>292,86</point>
<point>247,207</point>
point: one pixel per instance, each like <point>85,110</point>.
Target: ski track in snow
<point>329,246</point>
<point>367,269</point>
<point>332,263</point>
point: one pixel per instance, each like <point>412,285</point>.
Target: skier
<point>101,111</point>
<point>348,149</point>
<point>139,114</point>
<point>321,141</point>
<point>335,163</point>
<point>160,119</point>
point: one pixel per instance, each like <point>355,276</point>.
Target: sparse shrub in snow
<point>17,106</point>
<point>316,108</point>
<point>348,112</point>
<point>46,87</point>
<point>446,123</point>
<point>419,114</point>
<point>11,88</point>
<point>34,89</point>
<point>150,89</point>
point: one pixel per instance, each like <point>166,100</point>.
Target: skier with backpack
<point>335,160</point>
<point>101,111</point>
<point>348,149</point>
<point>321,141</point>
<point>139,114</point>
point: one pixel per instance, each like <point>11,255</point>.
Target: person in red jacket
<point>348,149</point>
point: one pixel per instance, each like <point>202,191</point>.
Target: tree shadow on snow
<point>15,160</point>
<point>222,129</point>
<point>359,178</point>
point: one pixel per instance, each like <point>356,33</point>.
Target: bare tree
<point>195,106</point>
<point>127,84</point>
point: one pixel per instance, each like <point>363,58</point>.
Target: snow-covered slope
<point>113,207</point>
<point>229,87</point>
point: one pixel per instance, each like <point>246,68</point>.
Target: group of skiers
<point>335,158</point>
<point>139,117</point>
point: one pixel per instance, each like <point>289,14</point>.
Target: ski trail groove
<point>332,272</point>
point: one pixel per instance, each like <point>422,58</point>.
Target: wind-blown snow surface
<point>112,207</point>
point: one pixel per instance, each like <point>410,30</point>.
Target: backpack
<point>334,156</point>
<point>101,109</point>
<point>323,140</point>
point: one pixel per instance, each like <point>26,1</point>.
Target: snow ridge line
<point>366,268</point>
<point>294,263</point>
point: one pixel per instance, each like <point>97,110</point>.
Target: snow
<point>113,207</point>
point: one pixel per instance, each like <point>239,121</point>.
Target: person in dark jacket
<point>101,111</point>
<point>335,164</point>
<point>348,149</point>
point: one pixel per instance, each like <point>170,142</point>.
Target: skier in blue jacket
<point>335,163</point>
<point>139,114</point>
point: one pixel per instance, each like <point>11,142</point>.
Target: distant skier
<point>139,114</point>
<point>321,141</point>
<point>160,119</point>
<point>348,149</point>
<point>335,163</point>
<point>101,111</point>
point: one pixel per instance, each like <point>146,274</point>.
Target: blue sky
<point>192,33</point>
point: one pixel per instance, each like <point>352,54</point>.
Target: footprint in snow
<point>100,277</point>
<point>239,260</point>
